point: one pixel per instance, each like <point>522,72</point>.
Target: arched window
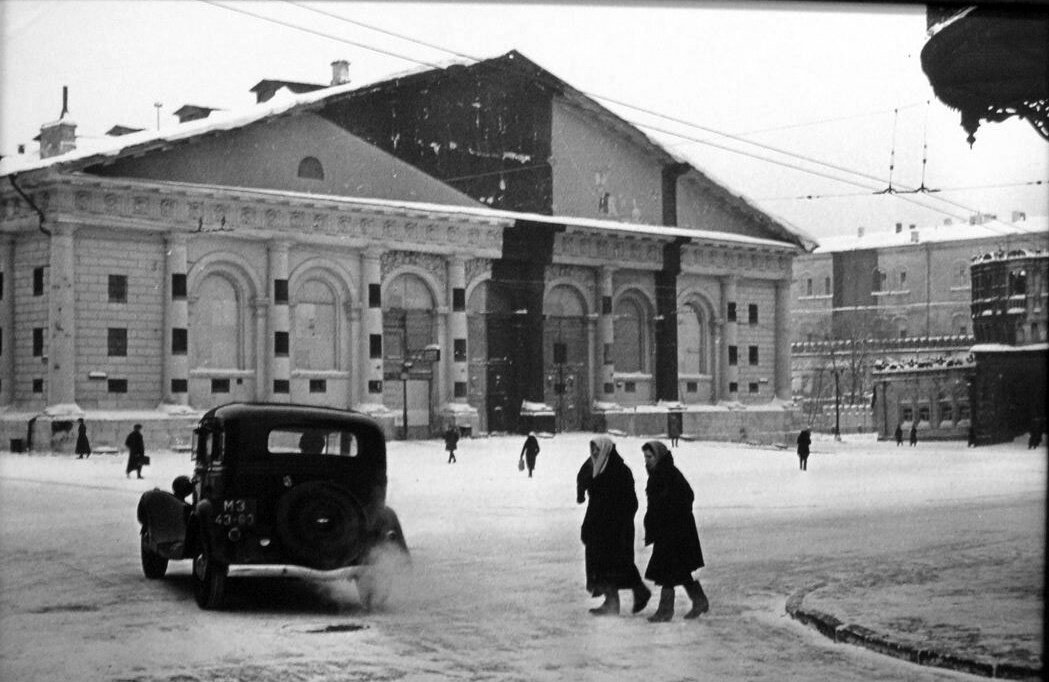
<point>316,331</point>
<point>409,315</point>
<point>878,280</point>
<point>630,331</point>
<point>216,324</point>
<point>310,168</point>
<point>694,339</point>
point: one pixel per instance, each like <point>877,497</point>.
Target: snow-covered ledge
<point>68,410</point>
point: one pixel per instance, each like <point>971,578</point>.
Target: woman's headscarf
<point>604,447</point>
<point>659,451</point>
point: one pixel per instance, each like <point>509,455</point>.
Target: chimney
<point>1018,216</point>
<point>859,231</point>
<point>899,228</point>
<point>340,72</point>
<point>58,137</point>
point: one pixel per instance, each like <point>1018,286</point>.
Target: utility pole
<point>406,365</point>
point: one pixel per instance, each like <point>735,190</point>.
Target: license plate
<point>237,512</point>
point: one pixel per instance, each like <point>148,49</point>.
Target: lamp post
<point>837,405</point>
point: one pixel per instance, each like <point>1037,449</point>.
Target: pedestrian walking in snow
<point>136,451</point>
<point>529,451</point>
<point>804,440</point>
<point>674,429</point>
<point>451,441</point>
<point>899,435</point>
<point>914,433</point>
<point>83,447</point>
<point>608,528</point>
<point>1035,438</point>
<point>671,530</point>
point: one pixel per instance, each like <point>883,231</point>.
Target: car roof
<point>278,412</point>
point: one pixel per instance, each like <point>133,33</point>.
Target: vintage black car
<point>277,490</point>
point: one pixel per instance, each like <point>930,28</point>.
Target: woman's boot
<point>641,596</point>
<point>700,604</point>
<point>666,606</point>
<point>611,605</point>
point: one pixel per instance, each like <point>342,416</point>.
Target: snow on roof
<point>1004,348</point>
<point>1035,226</point>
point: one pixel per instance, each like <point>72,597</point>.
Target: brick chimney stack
<point>340,72</point>
<point>59,136</point>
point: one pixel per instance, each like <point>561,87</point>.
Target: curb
<point>848,633</point>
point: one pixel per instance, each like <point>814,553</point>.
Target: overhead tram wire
<point>892,154</point>
<point>592,95</point>
<point>941,189</point>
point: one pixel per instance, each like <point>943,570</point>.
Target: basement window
<point>310,168</point>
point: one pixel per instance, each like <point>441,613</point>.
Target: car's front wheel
<point>154,566</point>
<point>209,580</point>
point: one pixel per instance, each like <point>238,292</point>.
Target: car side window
<point>310,441</point>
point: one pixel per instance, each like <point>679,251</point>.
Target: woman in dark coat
<point>804,440</point>
<point>83,447</point>
<point>671,530</point>
<point>529,452</point>
<point>608,528</point>
<point>914,433</point>
<point>136,450</point>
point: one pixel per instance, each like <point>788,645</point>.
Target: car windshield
<point>312,441</point>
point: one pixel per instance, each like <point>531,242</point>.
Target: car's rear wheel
<point>154,566</point>
<point>321,525</point>
<point>209,580</point>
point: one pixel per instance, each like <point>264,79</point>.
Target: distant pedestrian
<point>972,437</point>
<point>529,451</point>
<point>914,433</point>
<point>136,451</point>
<point>1035,438</point>
<point>83,447</point>
<point>451,441</point>
<point>674,429</point>
<point>804,441</point>
<point>608,528</point>
<point>670,528</point>
<point>899,435</point>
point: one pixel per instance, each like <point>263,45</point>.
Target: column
<point>352,343</point>
<point>782,376</point>
<point>606,337</point>
<point>278,346</point>
<point>61,352</point>
<point>7,321</point>
<point>175,382</point>
<point>454,355</point>
<point>371,312</point>
<point>730,373</point>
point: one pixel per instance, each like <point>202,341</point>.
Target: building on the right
<point>1009,314</point>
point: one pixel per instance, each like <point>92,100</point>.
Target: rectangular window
<point>752,354</point>
<point>460,389</point>
<point>280,344</point>
<point>374,296</point>
<point>963,411</point>
<point>733,387</point>
<point>459,350</point>
<point>630,387</point>
<point>117,386</point>
<point>1,340</point>
<point>946,413</point>
<point>609,387</point>
<point>752,387</point>
<point>375,347</point>
<point>179,341</point>
<point>731,313</point>
<point>281,386</point>
<point>908,414</point>
<point>318,386</point>
<point>38,281</point>
<point>923,413</point>
<point>179,386</point>
<point>178,285</point>
<point>38,385</point>
<point>733,355</point>
<point>116,342</point>
<point>220,385</point>
<point>118,288</point>
<point>280,291</point>
<point>826,285</point>
<point>808,287</point>
<point>38,342</point>
<point>606,305</point>
<point>752,313</point>
<point>374,387</point>
<point>691,386</point>
<point>458,299</point>
<point>903,279</point>
<point>1,286</point>
<point>560,353</point>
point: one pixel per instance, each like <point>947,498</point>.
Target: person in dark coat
<point>451,441</point>
<point>899,435</point>
<point>529,451</point>
<point>972,437</point>
<point>136,451</point>
<point>804,441</point>
<point>671,530</point>
<point>1035,439</point>
<point>608,528</point>
<point>914,433</point>
<point>83,447</point>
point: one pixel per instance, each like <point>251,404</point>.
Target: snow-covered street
<point>496,590</point>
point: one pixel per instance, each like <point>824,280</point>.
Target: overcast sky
<point>836,83</point>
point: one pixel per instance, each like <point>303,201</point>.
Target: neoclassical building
<point>279,254</point>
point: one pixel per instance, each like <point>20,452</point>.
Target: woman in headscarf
<point>608,527</point>
<point>671,530</point>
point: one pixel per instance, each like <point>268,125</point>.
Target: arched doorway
<point>409,325</point>
<point>695,339</point>
<point>565,357</point>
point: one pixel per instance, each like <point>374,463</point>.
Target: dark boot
<point>700,604</point>
<point>641,596</point>
<point>666,606</point>
<point>610,607</point>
